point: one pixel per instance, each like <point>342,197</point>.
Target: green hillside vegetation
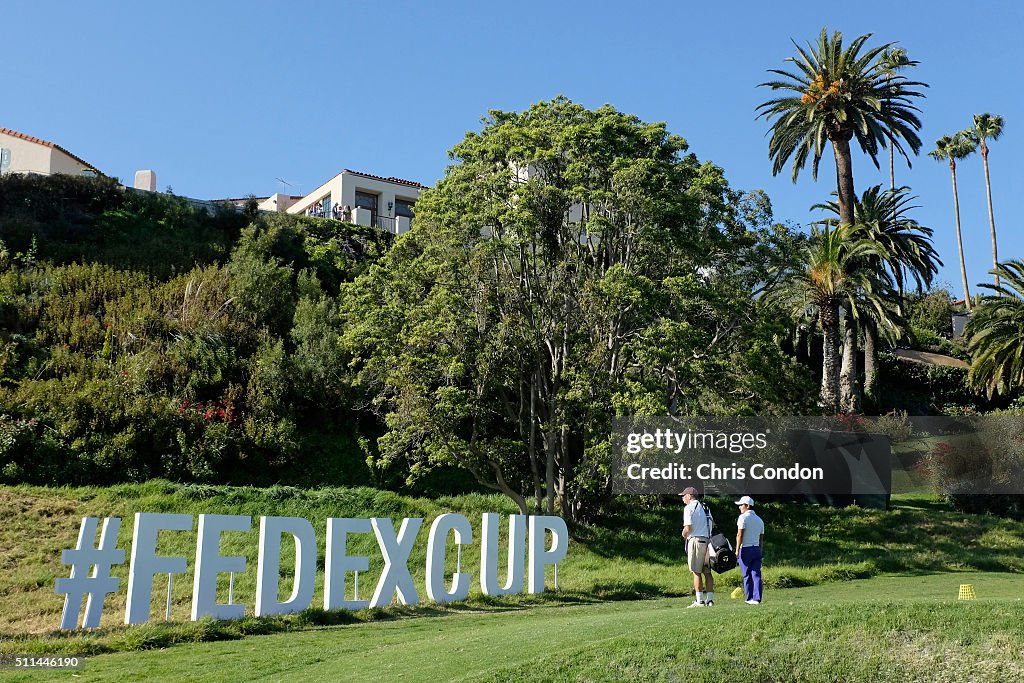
<point>632,554</point>
<point>141,337</point>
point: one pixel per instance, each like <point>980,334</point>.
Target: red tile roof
<point>47,143</point>
<point>258,199</point>
<point>391,179</point>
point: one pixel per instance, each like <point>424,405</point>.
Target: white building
<point>360,198</point>
<point>20,153</point>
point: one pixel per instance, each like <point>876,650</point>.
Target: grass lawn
<point>820,622</point>
<point>889,628</point>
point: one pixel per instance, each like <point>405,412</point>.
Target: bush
<point>931,314</point>
<point>982,472</point>
<point>919,389</point>
<point>146,338</point>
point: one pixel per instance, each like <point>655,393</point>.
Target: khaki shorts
<point>697,555</point>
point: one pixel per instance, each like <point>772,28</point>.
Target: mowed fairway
<point>883,629</point>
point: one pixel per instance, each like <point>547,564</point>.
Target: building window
<point>321,208</point>
<point>5,160</point>
<point>403,207</point>
<point>365,200</point>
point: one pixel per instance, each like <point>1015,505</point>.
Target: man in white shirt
<point>749,543</point>
<point>697,525</point>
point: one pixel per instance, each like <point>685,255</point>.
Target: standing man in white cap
<point>749,541</point>
<point>697,525</point>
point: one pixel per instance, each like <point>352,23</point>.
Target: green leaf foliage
<point>142,338</point>
<point>572,265</point>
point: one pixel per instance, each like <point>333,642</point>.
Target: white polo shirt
<point>753,528</point>
<point>695,517</point>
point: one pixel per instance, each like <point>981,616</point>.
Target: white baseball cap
<point>746,500</point>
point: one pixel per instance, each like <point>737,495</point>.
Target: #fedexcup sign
<point>395,580</point>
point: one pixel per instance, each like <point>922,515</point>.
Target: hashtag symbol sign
<point>80,584</point>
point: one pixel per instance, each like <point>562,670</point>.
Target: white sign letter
<point>437,544</point>
<point>489,555</point>
<point>395,578</point>
<point>209,563</point>
<point>146,563</point>
<point>539,557</point>
<point>269,574</point>
<point>338,562</point>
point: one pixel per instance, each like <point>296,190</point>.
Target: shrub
<point>931,314</point>
<point>982,472</point>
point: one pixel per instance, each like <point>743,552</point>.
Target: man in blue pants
<point>749,542</point>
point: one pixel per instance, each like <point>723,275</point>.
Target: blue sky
<point>222,98</point>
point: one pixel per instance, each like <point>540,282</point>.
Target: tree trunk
<point>549,473</point>
<point>892,165</point>
<point>870,358</point>
<point>991,216</point>
<point>499,484</point>
<point>538,489</point>
<point>848,384</point>
<point>959,239</point>
<point>830,353</point>
<point>892,152</point>
<point>844,178</point>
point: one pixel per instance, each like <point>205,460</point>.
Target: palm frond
<point>995,333</point>
<point>843,92</point>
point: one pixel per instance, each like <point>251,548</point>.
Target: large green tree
<point>952,148</point>
<point>987,127</point>
<point>572,265</point>
<point>837,94</point>
<point>995,333</point>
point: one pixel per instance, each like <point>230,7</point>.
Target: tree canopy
<point>572,265</point>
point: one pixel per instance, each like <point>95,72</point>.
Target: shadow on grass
<point>163,635</point>
<point>919,534</point>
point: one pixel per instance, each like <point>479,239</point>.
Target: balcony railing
<point>387,224</point>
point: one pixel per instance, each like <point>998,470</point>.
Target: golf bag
<point>721,556</point>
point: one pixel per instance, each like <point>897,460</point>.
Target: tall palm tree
<point>988,126</point>
<point>995,333</point>
<point>905,249</point>
<point>837,94</point>
<point>953,148</point>
<point>829,277</point>
<point>890,62</point>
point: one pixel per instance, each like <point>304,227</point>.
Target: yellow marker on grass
<point>967,592</point>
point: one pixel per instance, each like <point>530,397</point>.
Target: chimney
<point>145,180</point>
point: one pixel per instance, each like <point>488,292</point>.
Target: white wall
<point>32,157</point>
<point>62,163</point>
<point>276,202</point>
<point>26,157</point>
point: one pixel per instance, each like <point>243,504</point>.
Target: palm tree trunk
<point>991,217</point>
<point>959,239</point>
<point>870,358</point>
<point>844,179</point>
<point>848,384</point>
<point>892,166</point>
<point>892,152</point>
<point>892,179</point>
<point>830,352</point>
